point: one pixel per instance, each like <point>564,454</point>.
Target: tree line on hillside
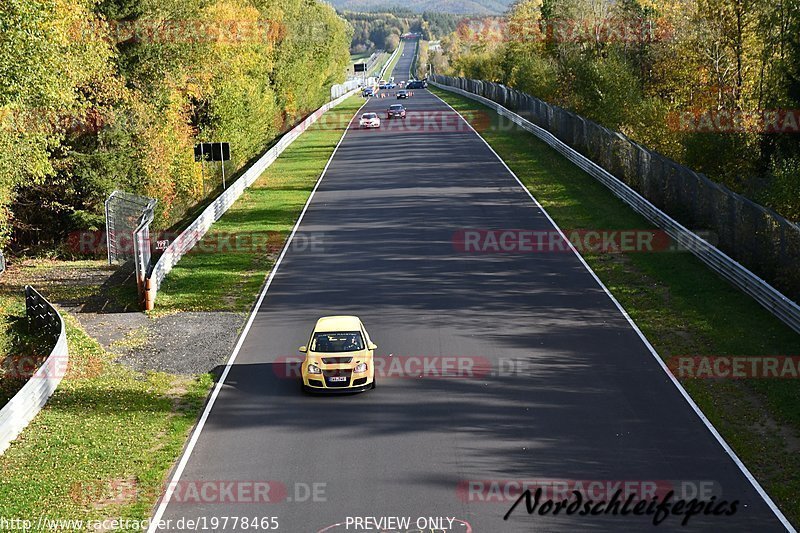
<point>383,30</point>
<point>713,84</point>
<point>104,94</point>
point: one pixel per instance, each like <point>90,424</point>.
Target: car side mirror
<point>372,346</point>
<point>303,349</point>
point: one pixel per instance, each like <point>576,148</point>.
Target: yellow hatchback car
<point>339,356</point>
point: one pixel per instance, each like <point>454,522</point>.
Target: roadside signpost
<point>362,68</point>
<point>218,152</point>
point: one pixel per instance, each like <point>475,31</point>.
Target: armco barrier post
<point>149,294</point>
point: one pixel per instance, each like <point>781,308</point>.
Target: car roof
<point>338,323</point>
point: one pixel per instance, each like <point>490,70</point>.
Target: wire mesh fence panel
<point>2,263</point>
<point>124,213</point>
<point>42,317</point>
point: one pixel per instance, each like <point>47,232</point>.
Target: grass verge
<point>382,58</point>
<point>680,305</point>
<point>228,279</point>
<point>103,444</point>
<point>390,68</point>
<point>358,58</point>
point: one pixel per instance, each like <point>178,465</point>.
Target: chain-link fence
<point>43,319</point>
<point>124,214</point>
<point>758,238</point>
<point>2,263</point>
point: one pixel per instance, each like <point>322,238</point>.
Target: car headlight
<point>314,369</point>
<point>361,367</point>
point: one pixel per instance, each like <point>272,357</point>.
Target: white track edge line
<point>756,485</point>
<point>162,506</point>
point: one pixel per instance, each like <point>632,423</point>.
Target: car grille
<point>359,381</point>
<point>337,373</point>
<point>336,360</point>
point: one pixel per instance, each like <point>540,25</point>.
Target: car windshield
<point>346,341</point>
<point>369,115</point>
<point>396,107</point>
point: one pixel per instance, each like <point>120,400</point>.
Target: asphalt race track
<point>553,383</point>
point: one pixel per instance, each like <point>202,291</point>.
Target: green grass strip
<point>103,444</point>
<point>222,277</point>
<point>390,68</point>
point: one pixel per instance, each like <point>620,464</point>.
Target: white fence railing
<point>198,228</point>
<point>340,89</point>
<point>764,293</point>
<point>30,399</point>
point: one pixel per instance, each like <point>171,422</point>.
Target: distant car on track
<point>402,93</point>
<point>396,110</point>
<point>368,91</point>
<point>370,120</point>
<point>339,356</point>
<point>416,84</point>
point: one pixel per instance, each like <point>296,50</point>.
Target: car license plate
<point>338,378</point>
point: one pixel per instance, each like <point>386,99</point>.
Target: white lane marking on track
<point>196,433</point>
<point>649,346</point>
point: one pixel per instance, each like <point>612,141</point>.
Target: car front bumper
<point>338,378</point>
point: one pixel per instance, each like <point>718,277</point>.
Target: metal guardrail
<point>765,294</point>
<point>142,251</point>
<point>30,399</point>
<point>198,228</point>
